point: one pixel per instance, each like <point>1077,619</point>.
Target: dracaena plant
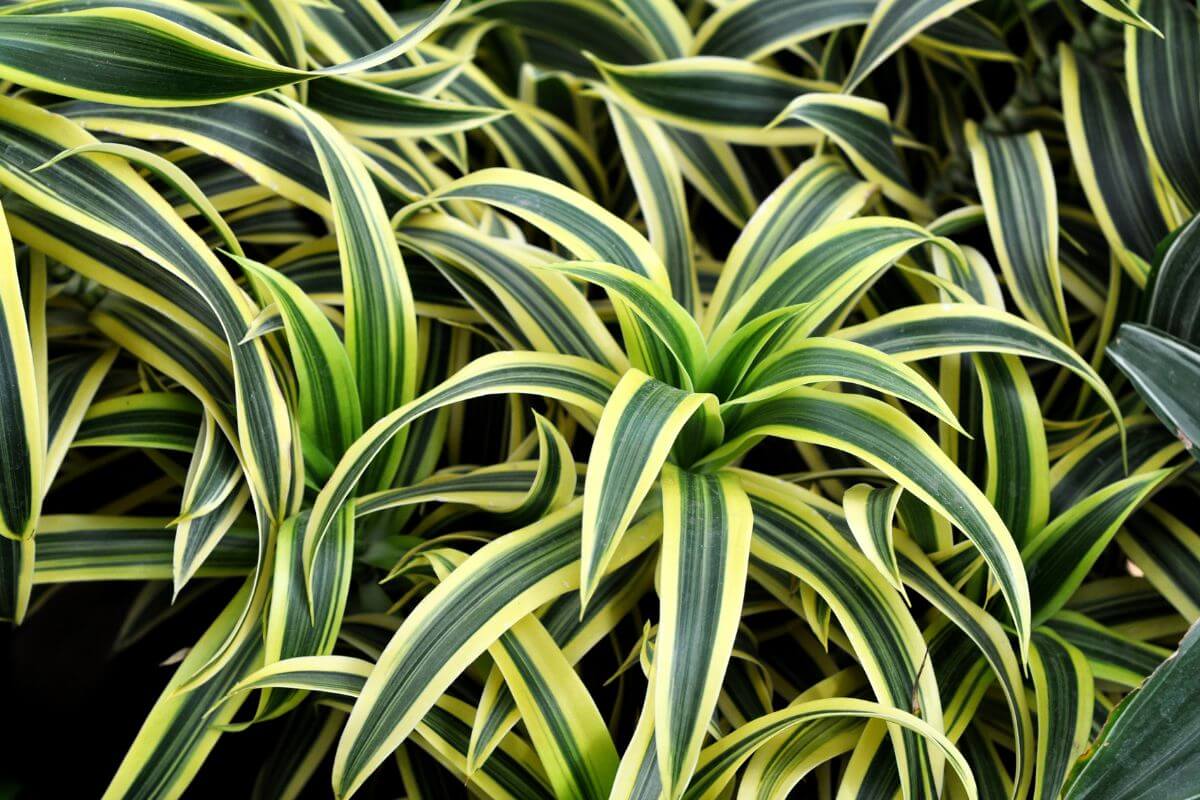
<point>616,398</point>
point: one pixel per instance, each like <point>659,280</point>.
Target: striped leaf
<point>866,607</point>
<point>530,139</point>
<point>342,675</point>
<point>1164,110</point>
<point>1122,12</point>
<point>711,166</point>
<point>1163,369</point>
<point>455,623</point>
<point>442,731</point>
<point>656,309</point>
<point>820,190</point>
<point>565,726</point>
<point>1170,309</point>
<point>724,98</point>
<point>862,129</point>
<point>72,383</point>
<point>114,202</point>
<point>283,161</point>
<point>824,359</point>
<point>662,23</point>
<point>869,513</point>
<point>659,184</point>
<point>1111,163</point>
<point>1062,682</point>
<point>162,765</point>
<point>892,24</point>
<point>1135,733</point>
<point>1112,656</point>
<point>198,536</point>
<point>733,359</point>
<point>153,61</point>
<point>157,420</point>
<point>1166,550</point>
<point>1058,558</point>
<point>575,631</point>
<point>706,544</point>
<point>364,108</point>
<point>298,627</point>
<point>213,472</point>
<point>750,29</point>
<point>94,547</point>
<point>720,761</point>
<point>22,431</point>
<point>634,437</point>
<point>551,314</point>
<point>330,415</point>
<point>17,560</point>
<point>919,572</point>
<point>380,319</point>
<point>169,173</point>
<point>969,34</point>
<point>579,224</point>
<point>638,774</point>
<point>920,332</point>
<point>571,380</point>
<point>825,269</point>
<point>1016,185</point>
<point>860,426</point>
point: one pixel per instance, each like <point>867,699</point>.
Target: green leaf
<point>1131,754</point>
<point>381,323</point>
<point>750,29</point>
<point>1165,371</point>
<point>330,413</point>
<point>1171,307</point>
<point>724,98</point>
<point>22,428</point>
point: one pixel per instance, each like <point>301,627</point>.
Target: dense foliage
<point>617,398</point>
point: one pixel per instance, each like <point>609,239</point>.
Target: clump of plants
<point>618,398</point>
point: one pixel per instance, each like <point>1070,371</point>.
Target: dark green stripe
<point>867,135</point>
